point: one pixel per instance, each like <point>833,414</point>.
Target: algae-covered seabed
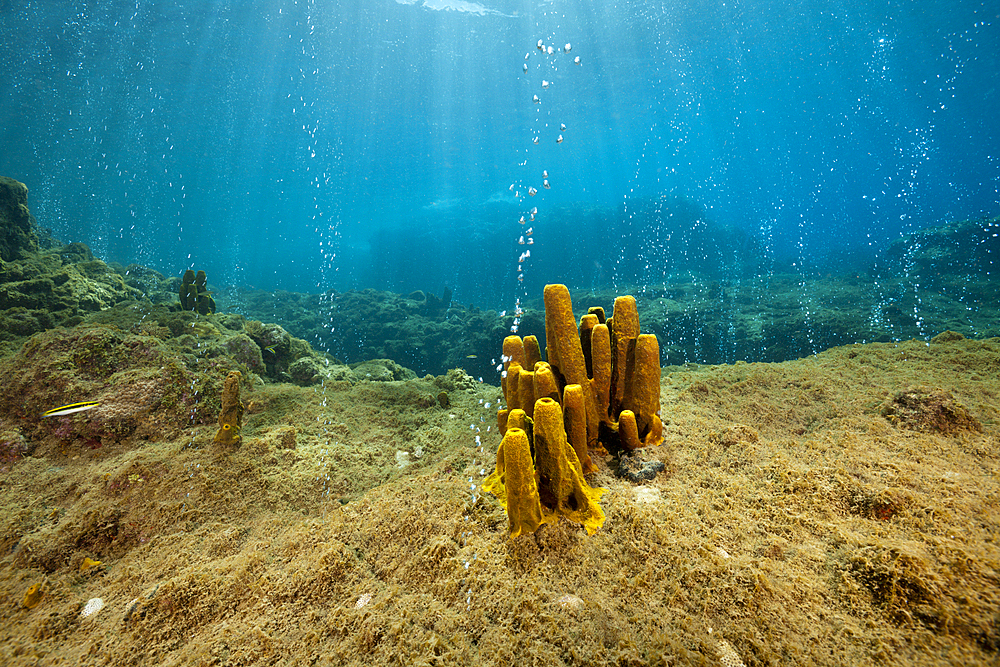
<point>809,514</point>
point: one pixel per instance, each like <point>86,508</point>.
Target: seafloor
<point>839,509</point>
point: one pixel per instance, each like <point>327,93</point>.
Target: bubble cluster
<point>477,470</point>
<point>546,69</point>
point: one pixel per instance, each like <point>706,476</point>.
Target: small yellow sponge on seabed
<point>33,595</point>
<point>231,415</point>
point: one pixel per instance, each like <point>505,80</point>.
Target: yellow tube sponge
<point>600,352</point>
<point>561,486</point>
<point>520,497</point>
<point>575,421</point>
<point>502,420</point>
<point>513,350</point>
<point>526,391</point>
<point>513,353</point>
<point>587,324</point>
<point>231,415</point>
<point>33,596</point>
<point>545,382</point>
<point>519,419</point>
<point>538,476</point>
<point>642,388</point>
<point>628,434</point>
<point>562,336</point>
<point>532,353</point>
<point>624,329</point>
<point>599,391</point>
<point>572,365</point>
<point>510,390</point>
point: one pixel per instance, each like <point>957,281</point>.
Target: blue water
<point>390,144</point>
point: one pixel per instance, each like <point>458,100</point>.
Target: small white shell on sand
<point>570,602</point>
<point>93,606</point>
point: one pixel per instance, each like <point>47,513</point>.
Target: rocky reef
<point>45,288</point>
<point>17,225</point>
<point>930,281</point>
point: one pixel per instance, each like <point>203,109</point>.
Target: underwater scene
<point>447,332</point>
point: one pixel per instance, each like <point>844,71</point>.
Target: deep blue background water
<point>307,145</point>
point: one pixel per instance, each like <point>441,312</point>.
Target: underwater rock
<point>243,349</point>
<point>454,380</point>
<point>382,370</point>
<point>371,324</point>
<point>947,337</point>
<point>949,254</point>
<point>39,292</point>
<point>285,357</point>
<point>76,253</point>
<point>17,233</point>
<point>141,385</point>
<point>13,447</point>
<point>930,411</point>
<point>123,404</point>
<point>286,437</point>
<point>270,337</point>
<point>226,340</point>
<point>635,470</point>
<point>436,307</point>
<point>734,435</point>
<point>42,289</point>
<point>231,415</point>
<point>306,371</point>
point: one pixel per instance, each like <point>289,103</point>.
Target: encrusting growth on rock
<point>599,389</point>
<point>231,415</point>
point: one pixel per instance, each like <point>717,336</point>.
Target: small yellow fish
<point>270,348</point>
<point>471,356</point>
<point>70,409</point>
<point>88,563</point>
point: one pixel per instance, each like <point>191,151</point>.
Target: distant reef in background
<point>933,280</point>
<point>927,282</point>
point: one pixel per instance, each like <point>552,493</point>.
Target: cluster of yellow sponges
<point>599,389</point>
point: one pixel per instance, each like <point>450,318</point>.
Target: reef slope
<point>838,509</point>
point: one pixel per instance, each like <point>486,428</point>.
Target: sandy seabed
<point>836,510</point>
